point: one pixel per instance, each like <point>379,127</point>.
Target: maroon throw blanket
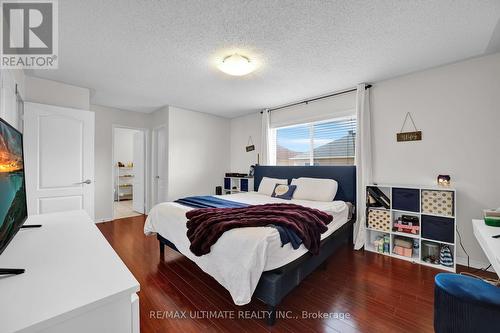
<point>206,225</point>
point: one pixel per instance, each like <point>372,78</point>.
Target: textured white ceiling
<point>141,55</point>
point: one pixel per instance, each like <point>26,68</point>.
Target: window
<point>329,142</point>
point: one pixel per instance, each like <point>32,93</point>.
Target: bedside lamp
<point>444,180</point>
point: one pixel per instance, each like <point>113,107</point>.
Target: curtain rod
<point>368,86</point>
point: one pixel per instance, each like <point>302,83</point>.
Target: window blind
<point>330,142</point>
<point>334,107</point>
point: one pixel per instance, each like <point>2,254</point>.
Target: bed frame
<point>274,285</point>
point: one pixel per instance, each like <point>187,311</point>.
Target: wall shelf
<point>413,200</point>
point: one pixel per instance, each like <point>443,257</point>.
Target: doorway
<point>129,146</point>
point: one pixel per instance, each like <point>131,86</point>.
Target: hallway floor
<point>123,209</point>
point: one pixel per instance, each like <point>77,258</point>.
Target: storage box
<point>407,199</point>
<point>492,221</point>
<point>438,202</point>
<point>399,227</point>
<point>379,219</point>
<point>403,251</point>
<point>491,212</point>
<point>438,228</point>
<point>404,242</point>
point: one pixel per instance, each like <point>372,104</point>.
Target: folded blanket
<point>206,225</point>
<point>208,201</point>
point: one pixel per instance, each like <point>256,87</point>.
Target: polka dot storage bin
<point>438,202</point>
<point>379,219</point>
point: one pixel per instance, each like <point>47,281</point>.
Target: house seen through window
<point>329,142</point>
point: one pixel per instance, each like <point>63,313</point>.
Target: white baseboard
<point>474,263</point>
<point>107,219</point>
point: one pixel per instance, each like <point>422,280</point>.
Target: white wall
<point>198,152</point>
<point>37,90</point>
<point>458,109</point>
<point>241,129</point>
<point>8,98</point>
<point>105,118</point>
<point>123,149</point>
<point>56,93</point>
<point>18,77</point>
<point>159,117</point>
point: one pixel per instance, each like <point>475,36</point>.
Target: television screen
<point>13,208</point>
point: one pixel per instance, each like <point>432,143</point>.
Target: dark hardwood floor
<point>380,294</point>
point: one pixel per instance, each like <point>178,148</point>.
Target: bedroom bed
<point>252,262</point>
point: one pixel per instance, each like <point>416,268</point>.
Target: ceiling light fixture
<point>237,65</point>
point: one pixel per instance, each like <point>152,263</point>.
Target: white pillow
<point>315,189</point>
<point>267,185</point>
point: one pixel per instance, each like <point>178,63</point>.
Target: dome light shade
<point>236,65</point>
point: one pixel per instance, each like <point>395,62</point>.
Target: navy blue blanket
<point>287,235</point>
<point>207,201</point>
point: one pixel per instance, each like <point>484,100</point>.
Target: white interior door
<point>59,159</point>
<point>138,182</point>
<point>160,168</point>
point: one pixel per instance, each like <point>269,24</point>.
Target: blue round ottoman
<point>465,304</point>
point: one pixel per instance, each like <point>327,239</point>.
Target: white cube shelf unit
<point>435,209</point>
<point>238,184</point>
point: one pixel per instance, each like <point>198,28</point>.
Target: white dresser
<point>74,280</point>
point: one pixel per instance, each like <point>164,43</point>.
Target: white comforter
<point>239,256</point>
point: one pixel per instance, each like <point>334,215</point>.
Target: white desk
<point>74,281</point>
<point>490,246</point>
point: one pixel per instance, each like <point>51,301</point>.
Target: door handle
<point>157,177</point>
<point>88,182</point>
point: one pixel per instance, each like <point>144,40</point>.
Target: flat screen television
<point>13,207</point>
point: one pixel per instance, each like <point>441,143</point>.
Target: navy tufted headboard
<point>345,176</point>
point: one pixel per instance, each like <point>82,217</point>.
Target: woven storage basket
<point>379,219</point>
<point>437,202</point>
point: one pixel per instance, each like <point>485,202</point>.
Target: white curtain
<point>265,140</point>
<point>363,162</point>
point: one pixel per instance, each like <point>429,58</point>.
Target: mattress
<point>240,256</point>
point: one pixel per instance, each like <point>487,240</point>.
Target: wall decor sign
<point>409,136</point>
<point>250,146</point>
